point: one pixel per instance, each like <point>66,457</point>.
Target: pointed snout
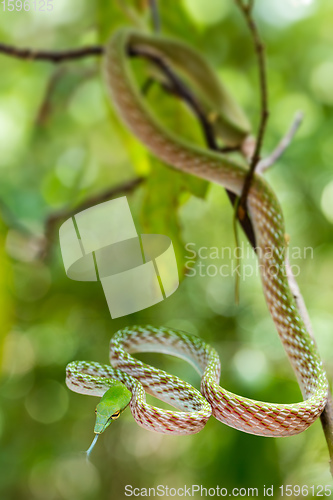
<point>101,424</point>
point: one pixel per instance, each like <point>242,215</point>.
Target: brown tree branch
<point>43,242</point>
<point>54,219</point>
<point>60,72</point>
<point>247,10</point>
<point>54,56</point>
<point>327,415</point>
<point>45,107</point>
<point>177,87</point>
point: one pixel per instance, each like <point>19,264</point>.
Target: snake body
<point>255,417</point>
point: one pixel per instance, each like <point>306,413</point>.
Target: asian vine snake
<point>127,380</point>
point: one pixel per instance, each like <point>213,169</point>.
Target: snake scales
<point>194,409</point>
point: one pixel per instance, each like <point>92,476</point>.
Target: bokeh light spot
<point>48,402</point>
<point>31,281</point>
<point>52,343</point>
<point>284,12</point>
<point>76,478</point>
<point>11,130</point>
<point>87,105</point>
<point>286,108</point>
<point>69,166</point>
<point>18,355</point>
<point>206,13</point>
<point>40,478</point>
<point>251,366</point>
<point>321,82</point>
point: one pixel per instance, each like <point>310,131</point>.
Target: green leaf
<point>160,212</point>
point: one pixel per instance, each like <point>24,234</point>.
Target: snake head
<point>111,405</point>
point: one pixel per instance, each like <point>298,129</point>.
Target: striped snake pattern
<point>255,417</point>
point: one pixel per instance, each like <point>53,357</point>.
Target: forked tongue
<point>91,447</point>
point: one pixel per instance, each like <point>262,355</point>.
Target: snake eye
<point>96,410</point>
<point>115,415</point>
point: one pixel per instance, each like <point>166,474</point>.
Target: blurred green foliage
<point>61,143</point>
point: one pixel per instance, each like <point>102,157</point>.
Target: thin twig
<point>327,415</point>
<point>55,218</point>
<point>54,56</point>
<point>155,15</point>
<point>247,10</point>
<point>45,107</point>
<point>285,142</point>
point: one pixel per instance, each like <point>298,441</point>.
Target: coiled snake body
<point>255,417</point>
